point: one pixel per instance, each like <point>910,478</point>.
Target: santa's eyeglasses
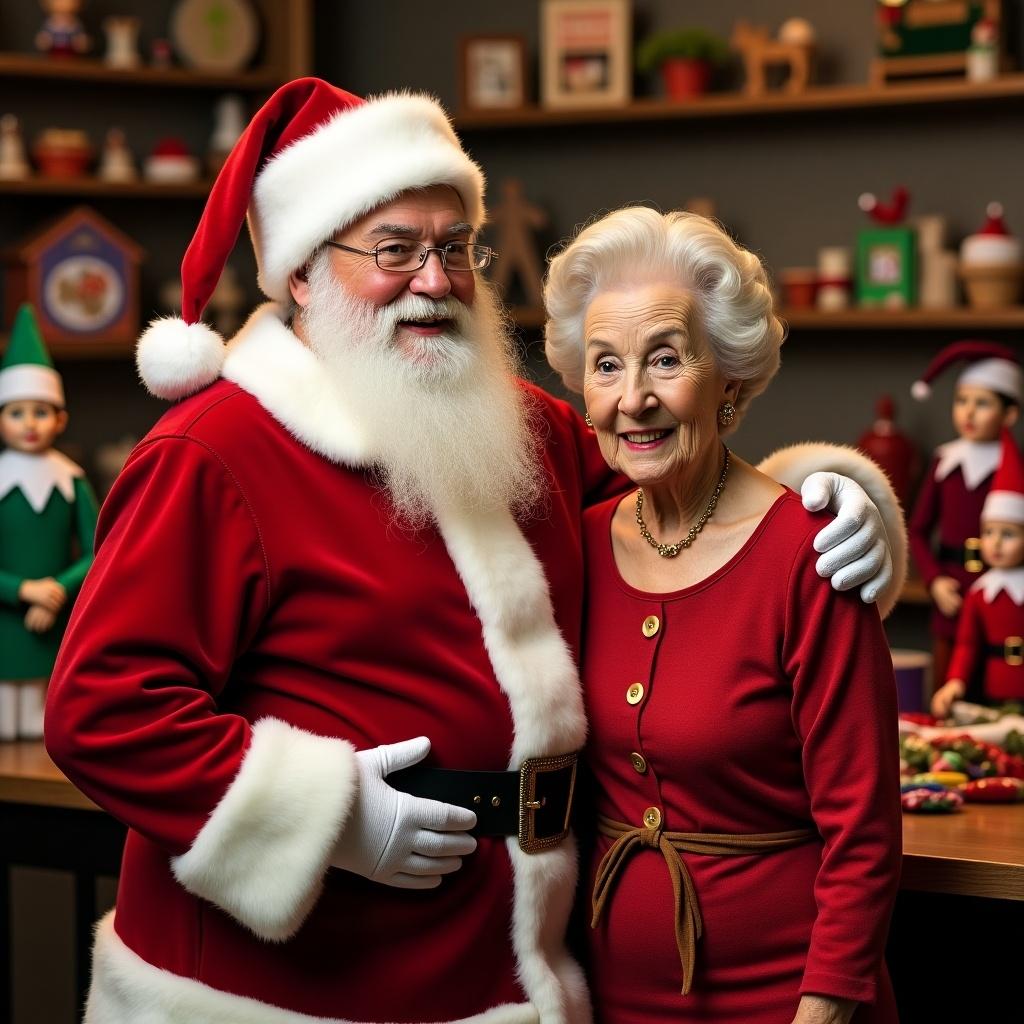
<point>401,255</point>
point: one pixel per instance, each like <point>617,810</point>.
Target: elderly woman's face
<point>651,384</point>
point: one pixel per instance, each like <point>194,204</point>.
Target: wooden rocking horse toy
<point>793,48</point>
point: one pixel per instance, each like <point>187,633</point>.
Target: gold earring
<point>726,413</point>
<point>586,419</point>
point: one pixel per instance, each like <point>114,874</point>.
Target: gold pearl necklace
<point>671,550</point>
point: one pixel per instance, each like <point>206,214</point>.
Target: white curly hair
<point>729,284</point>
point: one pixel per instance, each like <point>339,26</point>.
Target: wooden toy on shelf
<point>515,220</point>
<point>991,263</point>
<point>793,48</point>
<point>14,165</point>
<point>116,162</point>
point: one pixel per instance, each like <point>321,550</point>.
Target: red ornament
<point>891,449</point>
<point>994,791</point>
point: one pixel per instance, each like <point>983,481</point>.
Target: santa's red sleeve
<point>179,587</point>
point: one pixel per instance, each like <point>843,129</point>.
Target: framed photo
<point>887,267</point>
<point>586,51</point>
<point>492,73</point>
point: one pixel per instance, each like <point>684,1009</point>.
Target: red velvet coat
<point>946,512</point>
<point>252,618</point>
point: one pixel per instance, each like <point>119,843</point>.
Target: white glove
<point>854,546</point>
<point>398,839</point>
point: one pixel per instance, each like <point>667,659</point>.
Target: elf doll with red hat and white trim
<point>944,525</point>
<point>989,637</point>
<point>351,548</point>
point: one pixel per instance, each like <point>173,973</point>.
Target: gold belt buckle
<point>972,555</point>
<point>1013,650</point>
<point>530,804</point>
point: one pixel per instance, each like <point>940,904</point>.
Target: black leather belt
<point>533,803</point>
<point>968,556</point>
<point>1011,650</point>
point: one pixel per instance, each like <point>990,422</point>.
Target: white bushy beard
<point>447,429</point>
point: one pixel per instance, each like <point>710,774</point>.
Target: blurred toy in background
<point>938,287</point>
<point>991,263</point>
<point>989,650</point>
<point>116,162</point>
<point>122,42</point>
<point>62,34</point>
<point>983,53</point>
<point>925,37</point>
<point>14,165</point>
<point>792,49</point>
<point>835,278</point>
<point>887,253</point>
<point>62,153</point>
<point>161,54</point>
<point>229,121</point>
<point>891,449</point>
<point>47,521</point>
<point>109,460</point>
<point>515,220</point>
<point>171,163</point>
<point>945,522</point>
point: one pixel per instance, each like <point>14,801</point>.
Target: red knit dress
<point>768,704</point>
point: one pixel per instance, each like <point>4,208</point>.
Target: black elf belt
<point>969,556</point>
<point>1011,650</point>
<point>533,803</point>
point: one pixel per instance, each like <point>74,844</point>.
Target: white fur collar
<point>977,459</point>
<point>38,476</point>
<point>267,360</point>
<point>996,580</point>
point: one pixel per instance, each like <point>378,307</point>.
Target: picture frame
<point>586,53</point>
<point>887,267</point>
<point>492,72</point>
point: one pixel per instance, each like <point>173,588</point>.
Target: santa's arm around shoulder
<point>868,537</point>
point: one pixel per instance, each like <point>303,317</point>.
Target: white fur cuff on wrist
<point>262,854</point>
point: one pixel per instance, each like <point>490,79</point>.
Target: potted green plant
<point>685,58</point>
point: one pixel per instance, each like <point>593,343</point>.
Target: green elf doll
<point>47,521</point>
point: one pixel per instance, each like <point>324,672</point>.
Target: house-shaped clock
<point>82,276</point>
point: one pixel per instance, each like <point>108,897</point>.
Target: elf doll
<point>989,640</point>
<point>944,526</point>
<point>47,522</point>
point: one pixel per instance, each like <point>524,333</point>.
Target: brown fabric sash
<point>689,926</point>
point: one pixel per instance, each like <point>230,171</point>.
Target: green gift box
<point>887,267</point>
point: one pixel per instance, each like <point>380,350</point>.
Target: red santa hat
<point>1005,501</point>
<point>992,366</point>
<point>313,159</point>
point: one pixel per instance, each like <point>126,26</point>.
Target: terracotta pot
<point>995,286</point>
<point>685,78</point>
<point>56,161</point>
<point>799,287</point>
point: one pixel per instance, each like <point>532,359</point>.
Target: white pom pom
<point>920,390</point>
<point>175,359</point>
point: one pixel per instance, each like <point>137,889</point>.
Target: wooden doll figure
<point>943,528</point>
<point>989,642</point>
<point>47,522</point>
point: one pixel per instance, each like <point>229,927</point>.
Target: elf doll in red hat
<point>990,637</point>
<point>944,525</point>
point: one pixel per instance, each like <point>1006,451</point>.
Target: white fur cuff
<point>262,854</point>
<point>792,465</point>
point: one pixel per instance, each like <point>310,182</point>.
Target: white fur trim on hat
<point>31,382</point>
<point>357,161</point>
<point>263,852</point>
<point>999,375</point>
<point>175,359</point>
<point>1004,507</point>
<point>920,390</point>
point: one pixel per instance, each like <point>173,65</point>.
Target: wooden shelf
<point>95,187</point>
<point>737,104</point>
<point>903,319</point>
<point>83,69</point>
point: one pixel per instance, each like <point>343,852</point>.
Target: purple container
<point>913,679</point>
